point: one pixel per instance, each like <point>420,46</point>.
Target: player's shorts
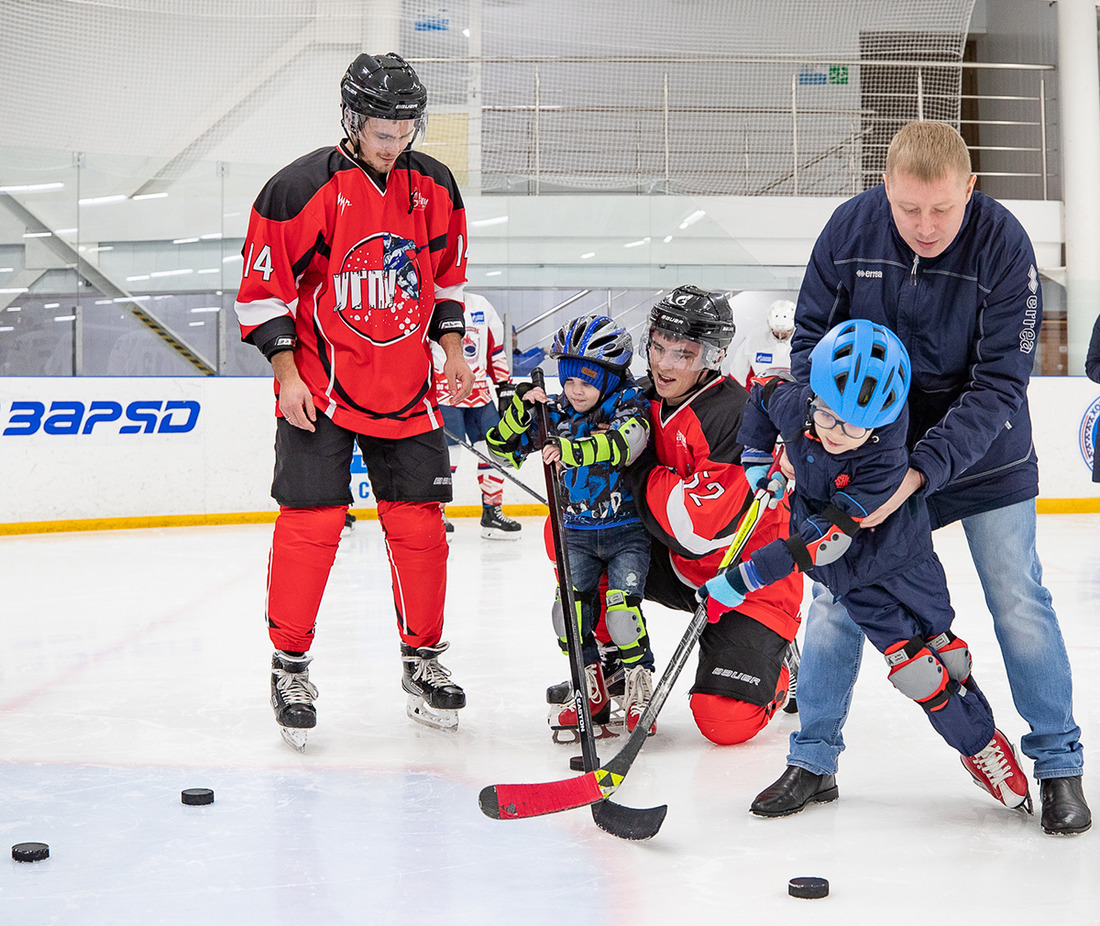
<point>313,469</point>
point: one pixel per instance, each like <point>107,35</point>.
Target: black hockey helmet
<point>383,87</point>
<point>689,313</point>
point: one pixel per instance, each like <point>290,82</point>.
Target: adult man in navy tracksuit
<point>953,273</point>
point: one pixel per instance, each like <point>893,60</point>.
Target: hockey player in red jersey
<point>691,493</point>
<point>354,259</point>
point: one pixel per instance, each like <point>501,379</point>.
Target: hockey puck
<point>30,851</point>
<point>808,887</point>
<point>576,763</point>
<point>197,796</point>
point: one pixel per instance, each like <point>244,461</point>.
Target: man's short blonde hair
<point>928,151</point>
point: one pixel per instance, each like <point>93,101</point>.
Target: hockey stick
<point>510,802</point>
<point>493,463</point>
<point>624,822</point>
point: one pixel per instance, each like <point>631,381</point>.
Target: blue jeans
<point>623,550</point>
<point>1002,545</point>
<point>472,424</point>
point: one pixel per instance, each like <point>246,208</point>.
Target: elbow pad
<point>618,446</point>
<point>829,547</point>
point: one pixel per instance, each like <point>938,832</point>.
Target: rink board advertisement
<point>91,447</point>
<point>145,447</point>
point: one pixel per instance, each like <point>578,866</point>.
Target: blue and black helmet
<point>593,348</point>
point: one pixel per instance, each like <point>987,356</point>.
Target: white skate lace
<point>592,682</point>
<point>639,689</point>
<point>993,764</point>
<point>429,671</point>
<point>295,687</point>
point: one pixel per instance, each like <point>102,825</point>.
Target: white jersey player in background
<point>470,418</point>
<point>768,349</point>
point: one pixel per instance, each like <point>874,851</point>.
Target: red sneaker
<point>996,770</point>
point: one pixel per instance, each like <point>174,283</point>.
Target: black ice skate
<point>292,697</point>
<point>495,525</point>
<point>434,700</point>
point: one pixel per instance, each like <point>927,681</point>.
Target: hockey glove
<point>505,391</point>
<point>728,589</point>
<point>757,475</point>
<point>515,417</point>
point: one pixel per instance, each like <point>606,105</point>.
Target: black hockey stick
<point>493,463</point>
<point>511,802</point>
<point>624,822</point>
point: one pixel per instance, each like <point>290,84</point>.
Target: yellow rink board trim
<point>238,517</point>
<point>1043,506</point>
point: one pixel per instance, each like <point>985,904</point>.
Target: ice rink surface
<point>136,663</point>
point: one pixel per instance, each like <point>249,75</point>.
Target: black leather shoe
<point>795,789</point>
<point>1065,812</point>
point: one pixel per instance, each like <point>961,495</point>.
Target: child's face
<point>581,395</point>
<point>836,436</point>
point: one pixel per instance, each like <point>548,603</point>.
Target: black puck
<point>197,796</point>
<point>30,851</point>
<point>808,887</point>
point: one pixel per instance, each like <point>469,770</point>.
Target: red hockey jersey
<point>362,273</point>
<point>696,494</point>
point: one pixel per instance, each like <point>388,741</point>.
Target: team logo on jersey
<point>1087,433</point>
<point>378,289</point>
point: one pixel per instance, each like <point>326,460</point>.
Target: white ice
<point>135,664</point>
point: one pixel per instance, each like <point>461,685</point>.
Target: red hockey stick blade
<point>512,802</point>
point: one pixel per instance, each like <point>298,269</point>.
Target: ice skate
<point>614,673</point>
<point>292,697</point>
<point>495,525</point>
<point>434,700</point>
<point>995,769</point>
<point>791,661</point>
<point>563,709</point>
<point>638,691</point>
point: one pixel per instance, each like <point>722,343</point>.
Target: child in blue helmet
<point>599,425</point>
<point>844,435</point>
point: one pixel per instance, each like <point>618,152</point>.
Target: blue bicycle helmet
<point>861,371</point>
<point>593,348</point>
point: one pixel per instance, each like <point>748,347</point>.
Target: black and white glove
<point>505,391</point>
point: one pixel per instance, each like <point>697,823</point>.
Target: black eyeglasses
<point>825,419</point>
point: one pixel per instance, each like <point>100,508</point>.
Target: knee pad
<point>626,626</point>
<point>954,654</point>
<point>917,673</point>
<point>727,721</point>
<point>557,615</point>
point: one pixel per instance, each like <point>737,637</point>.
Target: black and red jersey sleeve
<point>285,231</point>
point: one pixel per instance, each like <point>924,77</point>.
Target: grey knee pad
<point>954,654</point>
<point>557,615</point>
<point>626,626</point>
<point>917,673</point>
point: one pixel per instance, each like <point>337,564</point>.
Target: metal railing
<point>757,143</point>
